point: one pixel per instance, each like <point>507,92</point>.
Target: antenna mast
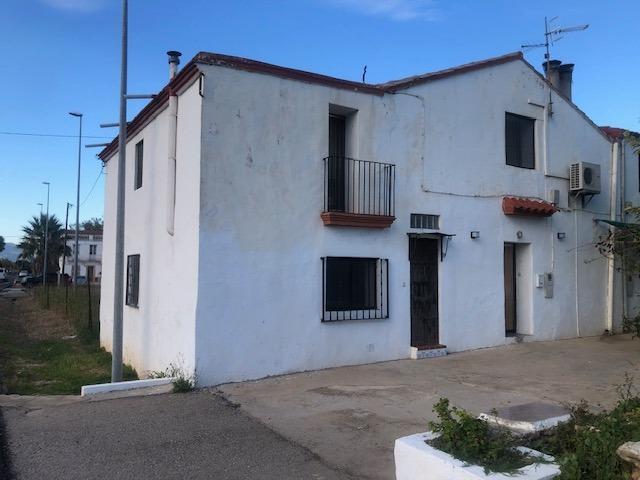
<point>552,35</point>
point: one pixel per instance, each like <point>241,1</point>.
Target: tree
<point>32,243</point>
<point>1,243</point>
<point>92,224</point>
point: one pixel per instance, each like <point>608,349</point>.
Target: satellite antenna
<point>552,35</point>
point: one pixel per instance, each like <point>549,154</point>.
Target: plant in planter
<point>460,446</point>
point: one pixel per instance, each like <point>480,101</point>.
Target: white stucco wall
<point>261,237</point>
<point>161,330</point>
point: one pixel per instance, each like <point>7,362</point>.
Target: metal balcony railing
<point>359,186</point>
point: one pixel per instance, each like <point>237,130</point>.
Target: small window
<point>520,141</point>
<point>93,249</point>
<point>133,280</point>
<point>354,288</point>
<point>422,220</point>
<point>137,183</point>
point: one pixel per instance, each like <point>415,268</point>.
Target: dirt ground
<point>351,416</point>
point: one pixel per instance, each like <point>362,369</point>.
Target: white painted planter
<point>415,460</point>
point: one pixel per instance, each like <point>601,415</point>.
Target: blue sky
<point>63,55</point>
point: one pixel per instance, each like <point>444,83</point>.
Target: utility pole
<point>64,260</point>
<point>118,293</point>
<point>46,248</point>
<point>75,245</point>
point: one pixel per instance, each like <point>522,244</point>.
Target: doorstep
<point>427,351</point>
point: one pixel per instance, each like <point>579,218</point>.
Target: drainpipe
<point>575,260</point>
<point>172,133</point>
<point>611,270</point>
<point>625,298</point>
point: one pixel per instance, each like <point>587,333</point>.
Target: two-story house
<point>89,255</point>
<point>279,220</point>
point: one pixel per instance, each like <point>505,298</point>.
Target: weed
<point>182,381</point>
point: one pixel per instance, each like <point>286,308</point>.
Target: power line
<point>30,134</point>
<point>92,187</point>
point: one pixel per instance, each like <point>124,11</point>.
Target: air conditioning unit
<point>584,177</point>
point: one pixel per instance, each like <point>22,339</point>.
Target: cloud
<point>399,10</point>
<point>81,6</point>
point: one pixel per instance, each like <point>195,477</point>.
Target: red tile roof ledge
<point>532,207</point>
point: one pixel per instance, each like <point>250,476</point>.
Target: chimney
<point>174,61</point>
<point>566,79</point>
<point>560,76</point>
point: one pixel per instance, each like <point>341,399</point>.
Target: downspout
<point>625,298</point>
<point>611,270</point>
<point>575,226</point>
<point>172,133</point>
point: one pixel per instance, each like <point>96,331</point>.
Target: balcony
<point>358,193</point>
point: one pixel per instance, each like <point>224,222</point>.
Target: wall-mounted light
<point>519,234</point>
<point>561,235</point>
<point>475,234</point>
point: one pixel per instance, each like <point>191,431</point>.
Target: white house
<point>280,220</point>
<point>89,254</point>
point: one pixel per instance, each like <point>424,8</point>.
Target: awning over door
<point>620,225</point>
<point>527,206</point>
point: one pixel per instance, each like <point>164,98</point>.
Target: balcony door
<point>336,163</point>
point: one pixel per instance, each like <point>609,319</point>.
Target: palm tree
<point>32,243</point>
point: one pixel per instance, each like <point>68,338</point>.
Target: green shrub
<point>472,440</point>
<point>585,447</point>
<point>182,381</point>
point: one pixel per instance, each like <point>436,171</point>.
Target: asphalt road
<point>197,435</point>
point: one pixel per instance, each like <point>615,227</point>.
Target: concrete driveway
<point>350,416</point>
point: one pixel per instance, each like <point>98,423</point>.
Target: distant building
<point>89,254</point>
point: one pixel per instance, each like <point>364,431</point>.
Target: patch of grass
<point>471,440</point>
<point>43,352</point>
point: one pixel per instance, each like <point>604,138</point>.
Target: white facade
<point>89,255</point>
<point>236,291</point>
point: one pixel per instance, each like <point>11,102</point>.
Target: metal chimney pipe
<point>174,61</point>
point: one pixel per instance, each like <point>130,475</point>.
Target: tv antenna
<point>553,35</point>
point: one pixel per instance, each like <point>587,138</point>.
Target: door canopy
<point>527,206</point>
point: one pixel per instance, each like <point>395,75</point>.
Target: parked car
<point>23,273</point>
<point>3,274</point>
<point>35,280</point>
<point>81,280</point>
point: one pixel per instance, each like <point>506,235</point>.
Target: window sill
<point>343,219</point>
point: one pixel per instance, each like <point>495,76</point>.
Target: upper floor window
<point>520,141</point>
<point>133,280</point>
<point>137,181</point>
<point>93,249</point>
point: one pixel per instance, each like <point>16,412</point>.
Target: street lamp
<point>74,274</point>
<point>46,244</point>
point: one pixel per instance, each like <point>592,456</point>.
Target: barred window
<point>133,280</point>
<point>520,140</point>
<point>354,288</point>
<point>423,220</point>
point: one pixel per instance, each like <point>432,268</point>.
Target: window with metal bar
<point>520,140</point>
<point>137,181</point>
<point>133,280</point>
<point>354,288</point>
<point>426,221</point>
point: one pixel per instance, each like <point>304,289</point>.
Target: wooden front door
<point>90,273</point>
<point>510,306</point>
<point>423,258</point>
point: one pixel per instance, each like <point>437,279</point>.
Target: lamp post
<point>74,274</point>
<point>46,246</point>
